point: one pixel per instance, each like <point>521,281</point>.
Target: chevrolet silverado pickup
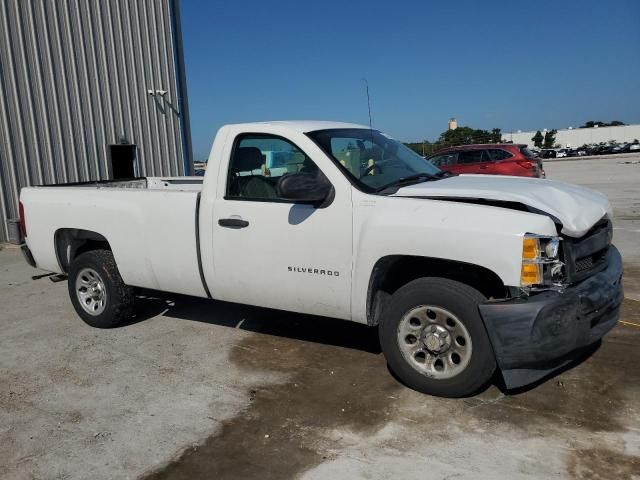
<point>463,275</point>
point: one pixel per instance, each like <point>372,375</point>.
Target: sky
<point>512,65</point>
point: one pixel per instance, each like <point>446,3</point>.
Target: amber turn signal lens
<point>531,274</point>
<point>530,248</point>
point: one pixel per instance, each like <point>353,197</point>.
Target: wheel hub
<point>436,339</point>
<point>96,291</point>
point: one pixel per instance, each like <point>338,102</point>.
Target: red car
<point>490,159</point>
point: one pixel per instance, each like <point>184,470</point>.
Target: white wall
<point>579,136</point>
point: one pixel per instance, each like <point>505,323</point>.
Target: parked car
<point>628,147</point>
<point>548,153</point>
<point>593,150</point>
<point>562,153</point>
<point>490,159</point>
<point>576,152</point>
<point>463,274</point>
<point>606,149</point>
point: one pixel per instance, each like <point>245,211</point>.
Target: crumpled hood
<point>577,208</point>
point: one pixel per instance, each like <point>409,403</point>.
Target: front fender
<point>486,236</point>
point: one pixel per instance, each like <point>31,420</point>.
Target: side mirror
<point>305,188</point>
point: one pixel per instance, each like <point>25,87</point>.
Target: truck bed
<point>150,224</point>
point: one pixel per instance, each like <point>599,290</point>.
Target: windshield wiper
<point>416,178</point>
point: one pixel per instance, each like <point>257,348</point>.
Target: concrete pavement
<point>618,177</point>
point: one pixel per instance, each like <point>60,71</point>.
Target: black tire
<point>462,301</point>
<point>118,301</point>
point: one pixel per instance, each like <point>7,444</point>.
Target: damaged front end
<point>554,263</point>
<point>572,302</point>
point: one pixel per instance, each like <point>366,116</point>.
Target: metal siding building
<point>74,81</point>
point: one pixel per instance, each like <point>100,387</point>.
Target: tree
<point>537,139</point>
<point>591,124</point>
<point>421,148</point>
<point>459,136</point>
<point>550,138</point>
<point>467,136</point>
<point>416,147</point>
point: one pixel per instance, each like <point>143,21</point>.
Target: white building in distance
<point>576,137</point>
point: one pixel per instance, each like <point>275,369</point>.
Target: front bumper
<point>533,336</point>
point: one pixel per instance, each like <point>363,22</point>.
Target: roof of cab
<point>302,126</point>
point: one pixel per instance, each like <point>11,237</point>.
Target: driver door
<point>272,252</point>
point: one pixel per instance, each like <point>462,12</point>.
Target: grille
<point>587,255</point>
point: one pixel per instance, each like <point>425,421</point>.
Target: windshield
<point>370,158</point>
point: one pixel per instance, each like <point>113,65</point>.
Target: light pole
<point>366,83</point>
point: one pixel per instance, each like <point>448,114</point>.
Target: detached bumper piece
<point>533,336</point>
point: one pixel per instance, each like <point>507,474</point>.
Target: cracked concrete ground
<point>195,389</point>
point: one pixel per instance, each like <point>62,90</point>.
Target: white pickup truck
<point>462,275</point>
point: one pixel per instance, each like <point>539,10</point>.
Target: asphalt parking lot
<point>194,388</point>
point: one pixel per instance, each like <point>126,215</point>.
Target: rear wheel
<point>98,293</point>
<point>434,339</point>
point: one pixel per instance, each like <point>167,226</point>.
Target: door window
<point>498,154</point>
<point>472,156</point>
<point>259,161</point>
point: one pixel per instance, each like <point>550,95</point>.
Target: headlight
<point>552,248</point>
<point>541,265</point>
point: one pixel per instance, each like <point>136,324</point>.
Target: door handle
<point>483,167</point>
<point>233,223</point>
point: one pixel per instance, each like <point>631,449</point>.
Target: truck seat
<point>246,175</point>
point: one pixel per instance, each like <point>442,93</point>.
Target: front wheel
<point>434,339</point>
<point>98,293</point>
